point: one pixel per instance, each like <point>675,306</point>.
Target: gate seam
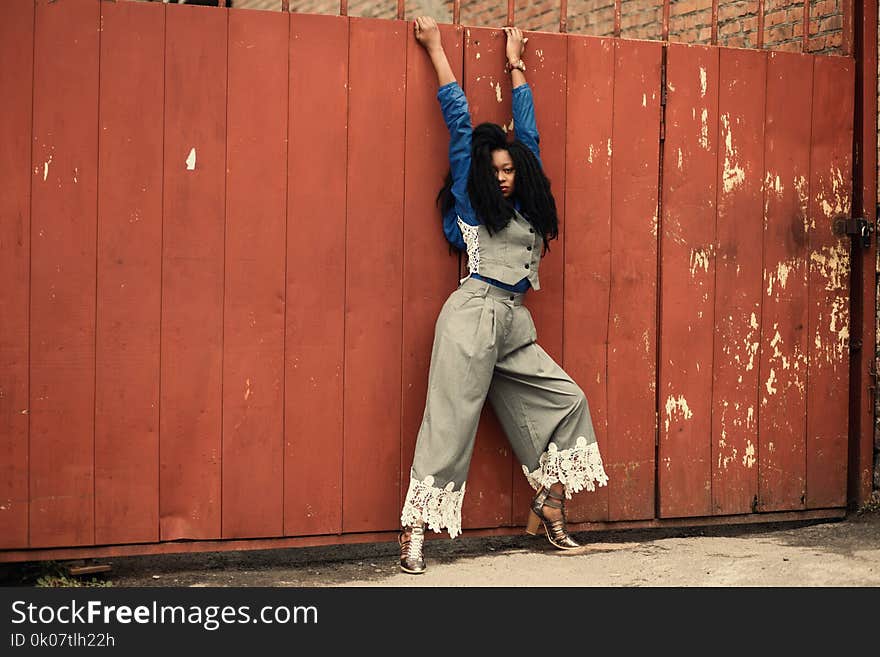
<point>223,305</point>
<point>284,289</point>
<point>659,287</point>
<point>614,44</point>
<point>97,257</point>
<point>30,263</point>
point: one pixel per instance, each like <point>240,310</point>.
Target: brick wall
<point>690,21</point>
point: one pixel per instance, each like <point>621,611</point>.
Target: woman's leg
<point>462,361</point>
<point>546,417</point>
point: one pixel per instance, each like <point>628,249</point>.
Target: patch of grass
<point>55,575</point>
<point>871,505</point>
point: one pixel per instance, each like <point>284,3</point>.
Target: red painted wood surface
<point>687,294</point>
<point>587,290</point>
<point>547,76</point>
<point>315,313</point>
<point>829,282</point>
<point>192,272</point>
<point>374,267</point>
<point>63,225</point>
<point>632,313</point>
<point>129,273</point>
<point>240,301</point>
<point>547,55</point>
<point>16,83</point>
<point>314,343</point>
<point>738,280</point>
<point>783,370</point>
<point>489,497</point>
<point>430,271</point>
<point>254,286</point>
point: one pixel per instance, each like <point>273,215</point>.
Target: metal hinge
<point>872,389</point>
<point>854,227</point>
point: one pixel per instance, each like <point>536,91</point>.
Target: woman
<point>497,205</point>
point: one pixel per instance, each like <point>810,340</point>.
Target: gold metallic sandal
<point>557,534</point>
<point>411,540</point>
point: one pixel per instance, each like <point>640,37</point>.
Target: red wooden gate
<point>223,272</point>
<point>753,363</point>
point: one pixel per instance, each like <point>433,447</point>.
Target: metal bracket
<point>854,227</point>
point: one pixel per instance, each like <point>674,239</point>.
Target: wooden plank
<point>315,315</point>
<point>374,265</point>
<point>687,293</point>
<point>430,271</point>
<point>16,87</point>
<point>547,57</point>
<point>192,272</point>
<point>783,372</point>
<point>129,273</point>
<point>589,113</point>
<point>738,277</point>
<point>632,314</point>
<point>490,479</point>
<point>63,226</point>
<point>253,315</point>
<point>829,282</point>
<point>88,570</point>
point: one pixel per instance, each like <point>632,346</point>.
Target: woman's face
<point>502,166</point>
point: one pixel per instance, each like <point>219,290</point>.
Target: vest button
<point>528,248</point>
<point>527,266</point>
<point>512,297</point>
<point>531,230</point>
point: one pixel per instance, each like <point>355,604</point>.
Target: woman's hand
<point>516,43</point>
<point>427,33</point>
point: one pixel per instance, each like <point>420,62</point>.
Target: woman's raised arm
<point>525,127</point>
<point>428,35</point>
<point>516,43</point>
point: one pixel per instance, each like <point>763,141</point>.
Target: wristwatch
<point>520,64</point>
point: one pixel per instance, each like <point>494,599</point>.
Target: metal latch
<point>855,227</point>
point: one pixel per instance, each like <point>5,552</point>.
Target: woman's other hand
<point>427,33</point>
<point>516,43</point>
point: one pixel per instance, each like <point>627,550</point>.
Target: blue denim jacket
<point>456,114</point>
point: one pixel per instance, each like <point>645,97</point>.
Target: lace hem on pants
<point>438,508</point>
<point>577,468</point>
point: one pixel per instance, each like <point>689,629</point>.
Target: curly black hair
<point>531,185</point>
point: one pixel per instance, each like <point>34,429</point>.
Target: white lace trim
<point>577,468</point>
<point>436,507</point>
<point>471,236</point>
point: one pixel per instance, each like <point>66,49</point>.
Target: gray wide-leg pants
<point>484,345</point>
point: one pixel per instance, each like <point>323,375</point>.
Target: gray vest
<point>507,256</point>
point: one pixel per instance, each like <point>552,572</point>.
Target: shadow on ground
<point>337,565</point>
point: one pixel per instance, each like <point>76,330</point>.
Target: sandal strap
<point>554,495</point>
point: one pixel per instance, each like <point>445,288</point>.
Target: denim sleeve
<point>457,116</point>
<point>524,126</point>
